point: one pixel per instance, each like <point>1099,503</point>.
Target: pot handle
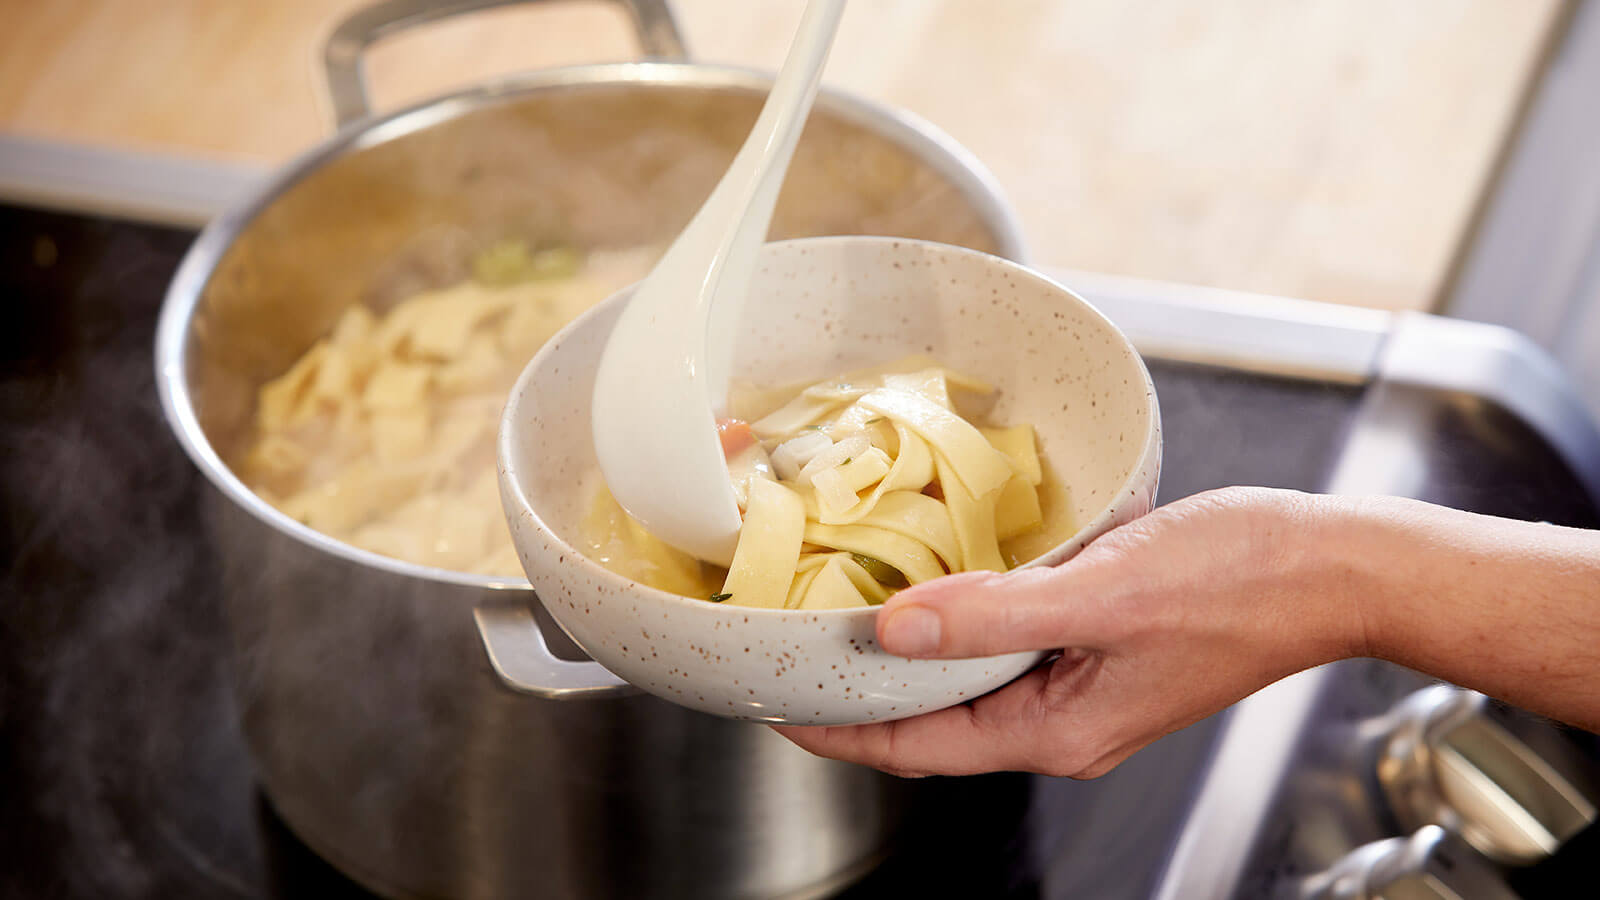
<point>341,55</point>
<point>519,655</point>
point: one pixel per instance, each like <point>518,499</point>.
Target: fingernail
<point>912,631</point>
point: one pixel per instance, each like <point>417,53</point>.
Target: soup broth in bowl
<point>822,307</point>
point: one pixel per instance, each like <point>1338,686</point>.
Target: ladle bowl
<point>818,307</point>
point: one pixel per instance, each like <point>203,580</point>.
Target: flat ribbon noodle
<point>973,461</point>
<point>769,546</point>
<point>973,519</point>
<point>920,518</point>
<point>873,591</point>
<point>913,464</point>
<point>1017,443</point>
<point>913,559</point>
<point>1017,510</point>
<point>801,412</point>
<point>911,470</point>
<point>833,588</point>
<point>802,582</point>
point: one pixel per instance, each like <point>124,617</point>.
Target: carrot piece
<point>735,435</point>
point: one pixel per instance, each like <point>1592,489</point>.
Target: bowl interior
<point>828,305</point>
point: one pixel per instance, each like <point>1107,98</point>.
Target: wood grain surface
<point>1330,149</point>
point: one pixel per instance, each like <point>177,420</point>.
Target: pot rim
<point>930,144</point>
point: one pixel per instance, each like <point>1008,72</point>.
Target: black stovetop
<point>122,770</point>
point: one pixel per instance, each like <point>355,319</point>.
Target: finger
<point>991,734</point>
<point>985,613</point>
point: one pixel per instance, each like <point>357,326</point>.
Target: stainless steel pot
<point>381,732</point>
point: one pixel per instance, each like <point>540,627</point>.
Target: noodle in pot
<point>382,434</point>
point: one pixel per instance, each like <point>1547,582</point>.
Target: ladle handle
<point>519,655</point>
<point>347,44</point>
<point>761,165</point>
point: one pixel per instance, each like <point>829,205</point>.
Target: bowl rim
<point>511,484</point>
<point>181,303</point>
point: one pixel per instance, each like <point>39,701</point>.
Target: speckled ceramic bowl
<point>827,305</point>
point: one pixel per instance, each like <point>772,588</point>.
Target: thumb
<point>986,613</point>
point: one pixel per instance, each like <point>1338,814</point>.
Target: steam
<point>124,773</point>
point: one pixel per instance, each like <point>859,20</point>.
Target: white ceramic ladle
<point>664,370</point>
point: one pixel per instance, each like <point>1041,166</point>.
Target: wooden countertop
<point>1328,149</point>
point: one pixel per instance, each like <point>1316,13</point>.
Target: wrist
<point>1394,557</point>
<point>1313,586</point>
<point>1355,565</point>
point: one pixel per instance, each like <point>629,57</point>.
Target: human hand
<point>1165,620</point>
